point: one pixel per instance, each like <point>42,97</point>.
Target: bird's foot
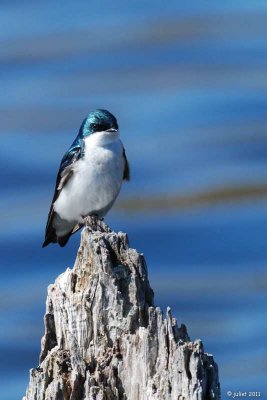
<point>103,226</point>
<point>96,224</point>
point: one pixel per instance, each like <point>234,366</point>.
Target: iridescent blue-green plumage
<point>97,121</point>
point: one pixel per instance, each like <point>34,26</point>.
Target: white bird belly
<point>95,183</point>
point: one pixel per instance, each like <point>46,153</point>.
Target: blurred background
<point>187,82</point>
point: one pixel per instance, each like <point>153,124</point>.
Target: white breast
<point>96,180</point>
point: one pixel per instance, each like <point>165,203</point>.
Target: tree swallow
<point>89,177</point>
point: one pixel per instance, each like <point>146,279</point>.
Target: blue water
<point>187,82</point>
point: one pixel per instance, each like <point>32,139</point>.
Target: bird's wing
<point>64,174</point>
<point>126,172</point>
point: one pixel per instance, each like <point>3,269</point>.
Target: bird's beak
<point>112,130</point>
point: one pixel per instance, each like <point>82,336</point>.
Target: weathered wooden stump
<point>105,339</point>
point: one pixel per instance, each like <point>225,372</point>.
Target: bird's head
<point>100,123</point>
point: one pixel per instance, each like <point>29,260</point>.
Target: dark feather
<point>65,172</point>
<point>126,173</point>
<point>62,240</point>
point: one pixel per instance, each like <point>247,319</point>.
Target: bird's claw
<point>96,224</point>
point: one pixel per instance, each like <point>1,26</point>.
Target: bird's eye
<point>98,127</point>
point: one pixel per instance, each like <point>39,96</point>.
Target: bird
<point>89,178</point>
